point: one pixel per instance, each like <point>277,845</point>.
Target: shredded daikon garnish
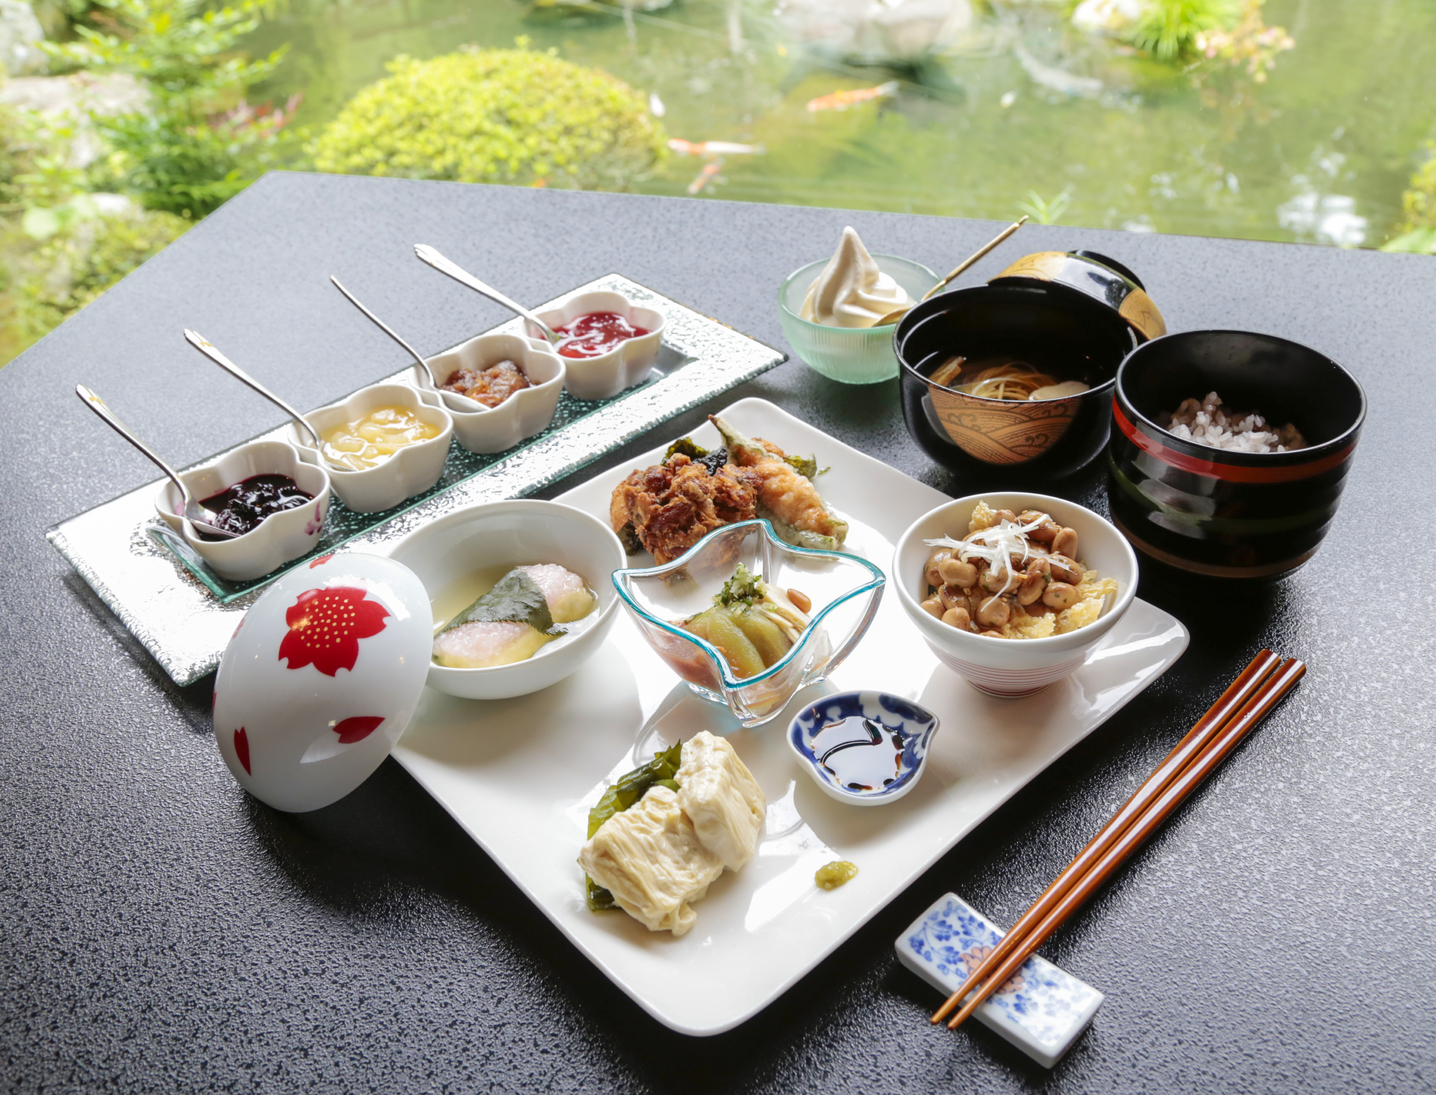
<point>996,545</point>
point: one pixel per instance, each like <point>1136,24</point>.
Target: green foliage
<point>172,163</point>
<point>1418,241</point>
<point>182,51</point>
<point>1418,208</point>
<point>78,264</point>
<point>198,143</point>
<point>498,116</point>
<point>1046,212</point>
<point>1169,29</point>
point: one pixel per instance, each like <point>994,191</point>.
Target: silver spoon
<point>423,364</point>
<point>195,513</point>
<point>455,400</point>
<point>463,277</point>
<point>206,347</point>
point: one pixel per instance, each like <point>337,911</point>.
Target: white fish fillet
<point>480,645</point>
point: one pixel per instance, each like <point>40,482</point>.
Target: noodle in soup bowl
<point>1072,316</point>
<point>1013,667</point>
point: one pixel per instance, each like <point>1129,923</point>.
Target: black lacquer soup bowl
<point>1074,315</point>
<point>1214,511</point>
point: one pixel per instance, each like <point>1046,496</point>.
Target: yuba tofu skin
<point>721,798</point>
<point>651,860</point>
<point>568,597</point>
<point>480,645</point>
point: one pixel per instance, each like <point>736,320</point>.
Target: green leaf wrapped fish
<point>515,619</point>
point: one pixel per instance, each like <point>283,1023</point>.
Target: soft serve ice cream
<point>851,291</point>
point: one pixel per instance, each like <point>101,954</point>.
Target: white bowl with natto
<point>1013,667</point>
<point>277,539</point>
<point>410,470</point>
<point>627,364</point>
<point>523,414</point>
<point>508,534</point>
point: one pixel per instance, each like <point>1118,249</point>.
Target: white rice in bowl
<point>1210,422</point>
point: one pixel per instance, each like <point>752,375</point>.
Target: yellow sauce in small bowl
<point>370,440</point>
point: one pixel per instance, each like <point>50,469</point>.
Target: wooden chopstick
<point>1251,713</point>
<point>1227,705</point>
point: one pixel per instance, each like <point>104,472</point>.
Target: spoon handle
<point>940,286</point>
<point>92,400</point>
<point>463,277</point>
<point>204,346</point>
<point>386,329</point>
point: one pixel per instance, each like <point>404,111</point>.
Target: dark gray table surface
<point>162,931</point>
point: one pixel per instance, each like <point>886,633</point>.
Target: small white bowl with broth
<point>1013,667</point>
<point>460,556</point>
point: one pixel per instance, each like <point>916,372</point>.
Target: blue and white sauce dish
<point>864,748</point>
<point>1042,1010</point>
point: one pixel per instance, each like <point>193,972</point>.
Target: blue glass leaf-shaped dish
<point>843,590</point>
<point>864,748</point>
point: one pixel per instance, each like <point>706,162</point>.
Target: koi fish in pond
<point>841,100</point>
<point>710,149</point>
<point>706,178</point>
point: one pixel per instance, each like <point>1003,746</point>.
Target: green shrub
<point>1418,203</point>
<point>497,116</point>
<point>1169,29</point>
<point>74,267</point>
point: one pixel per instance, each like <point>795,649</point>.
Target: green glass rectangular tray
<point>183,613</point>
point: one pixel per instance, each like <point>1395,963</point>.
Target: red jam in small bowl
<point>240,508</point>
<point>595,334</point>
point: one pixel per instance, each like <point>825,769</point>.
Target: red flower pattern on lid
<point>321,560</point>
<point>325,626</point>
<point>357,728</point>
<point>241,748</point>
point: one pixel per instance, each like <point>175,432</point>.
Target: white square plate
<point>520,775</point>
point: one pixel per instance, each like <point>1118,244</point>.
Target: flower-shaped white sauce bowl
<point>522,415</point>
<point>277,539</point>
<point>491,538</point>
<point>411,470</point>
<point>864,748</point>
<point>603,377</point>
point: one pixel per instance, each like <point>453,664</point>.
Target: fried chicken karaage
<point>669,507</point>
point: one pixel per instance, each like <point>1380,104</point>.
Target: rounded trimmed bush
<point>496,116</point>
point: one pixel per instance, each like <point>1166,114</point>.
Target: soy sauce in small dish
<point>240,508</point>
<point>862,754</point>
<point>595,334</point>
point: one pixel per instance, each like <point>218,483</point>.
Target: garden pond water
<point>1319,153</point>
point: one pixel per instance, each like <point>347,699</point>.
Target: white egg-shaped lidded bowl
<point>321,678</point>
<point>627,364</point>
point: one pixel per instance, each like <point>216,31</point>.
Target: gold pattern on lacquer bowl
<point>1139,310</point>
<point>1002,431</point>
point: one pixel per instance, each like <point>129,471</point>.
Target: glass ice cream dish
<point>828,309</point>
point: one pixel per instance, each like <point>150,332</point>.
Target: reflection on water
<point>1023,102</point>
